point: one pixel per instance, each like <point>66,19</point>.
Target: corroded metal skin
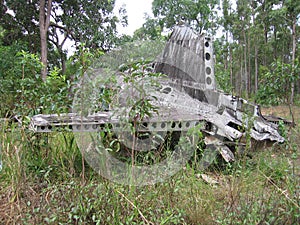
<point>188,61</point>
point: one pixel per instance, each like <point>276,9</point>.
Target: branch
<point>63,28</point>
<point>283,192</point>
<point>134,206</point>
<point>54,42</point>
<point>63,42</point>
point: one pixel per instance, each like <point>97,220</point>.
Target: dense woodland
<point>255,46</point>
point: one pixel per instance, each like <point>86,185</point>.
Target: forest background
<point>255,52</point>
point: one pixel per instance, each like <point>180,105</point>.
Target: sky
<point>136,10</point>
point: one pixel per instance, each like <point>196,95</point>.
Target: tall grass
<point>41,183</point>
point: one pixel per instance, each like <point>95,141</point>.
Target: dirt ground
<point>282,111</point>
<point>294,132</point>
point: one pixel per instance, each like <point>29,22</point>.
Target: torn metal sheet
<point>230,117</point>
<point>187,97</point>
<point>209,180</point>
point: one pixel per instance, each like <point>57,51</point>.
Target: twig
<point>134,206</point>
<point>280,190</point>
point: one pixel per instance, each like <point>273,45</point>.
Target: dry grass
<point>47,189</point>
<point>282,111</point>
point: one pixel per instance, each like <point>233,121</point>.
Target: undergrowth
<point>42,183</point>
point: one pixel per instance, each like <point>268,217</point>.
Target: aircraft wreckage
<point>186,98</point>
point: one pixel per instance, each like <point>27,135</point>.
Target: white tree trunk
<point>44,22</point>
<point>293,58</point>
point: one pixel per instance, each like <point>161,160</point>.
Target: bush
<point>276,83</point>
<point>23,92</point>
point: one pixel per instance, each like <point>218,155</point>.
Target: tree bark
<point>255,49</point>
<point>245,75</point>
<point>44,22</point>
<point>255,54</point>
<point>249,65</point>
<point>256,68</point>
<point>231,67</point>
<point>294,21</point>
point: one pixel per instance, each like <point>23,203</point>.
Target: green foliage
<point>25,94</point>
<point>140,82</point>
<point>19,26</point>
<point>223,79</point>
<point>151,30</point>
<point>276,83</point>
<point>1,34</point>
<point>40,183</point>
<point>130,52</point>
<point>222,70</point>
<point>198,14</point>
<point>95,25</point>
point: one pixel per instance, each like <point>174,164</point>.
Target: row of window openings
<point>208,69</point>
<point>96,126</point>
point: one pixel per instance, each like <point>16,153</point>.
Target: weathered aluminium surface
<point>191,94</point>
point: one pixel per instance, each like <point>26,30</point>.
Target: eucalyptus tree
<point>292,9</point>
<point>150,30</point>
<point>199,14</point>
<point>284,23</point>
<point>241,31</point>
<point>224,50</point>
<point>55,21</point>
<point>19,20</point>
<point>256,35</point>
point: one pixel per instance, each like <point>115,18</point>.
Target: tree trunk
<point>275,47</point>
<point>241,77</point>
<point>255,50</point>
<point>226,51</point>
<point>245,65</point>
<point>44,21</point>
<point>231,68</point>
<point>265,44</point>
<point>249,65</point>
<point>256,68</point>
<point>293,57</point>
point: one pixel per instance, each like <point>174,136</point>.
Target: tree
<point>52,22</point>
<point>292,15</point>
<point>199,14</point>
<point>20,19</point>
<point>283,20</point>
<point>225,46</point>
<point>44,22</point>
<point>151,30</point>
<point>94,24</point>
<point>241,28</point>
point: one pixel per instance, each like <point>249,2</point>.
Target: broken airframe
<point>190,91</point>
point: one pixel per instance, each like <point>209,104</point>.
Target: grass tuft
<point>41,183</point>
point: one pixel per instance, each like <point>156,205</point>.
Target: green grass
<point>42,182</point>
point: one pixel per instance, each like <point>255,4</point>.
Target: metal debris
<point>190,94</point>
<point>209,180</point>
